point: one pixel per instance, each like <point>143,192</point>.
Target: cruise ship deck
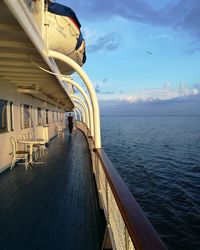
<point>53,205</point>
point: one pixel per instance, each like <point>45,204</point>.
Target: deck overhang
<point>22,52</point>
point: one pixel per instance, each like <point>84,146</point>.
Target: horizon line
<point>147,115</point>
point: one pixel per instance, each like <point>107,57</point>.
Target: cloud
<point>189,106</point>
<point>107,42</point>
<point>88,34</point>
<point>161,36</point>
<point>166,93</point>
<point>191,19</point>
<point>181,15</point>
<point>105,80</point>
<point>97,89</point>
<point>101,9</point>
<point>108,92</point>
<point>194,48</point>
<point>197,86</point>
<point>183,100</point>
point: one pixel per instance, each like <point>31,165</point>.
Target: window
<point>11,117</point>
<point>39,116</point>
<point>47,116</point>
<point>31,116</point>
<point>3,116</point>
<point>26,116</point>
<point>54,116</point>
<point>22,116</point>
<point>50,116</point>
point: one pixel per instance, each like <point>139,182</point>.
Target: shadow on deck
<point>53,205</point>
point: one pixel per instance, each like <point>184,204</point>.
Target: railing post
<point>82,111</point>
<point>84,106</point>
<point>75,84</point>
<point>79,113</point>
<point>106,241</point>
<point>94,100</point>
<point>97,174</point>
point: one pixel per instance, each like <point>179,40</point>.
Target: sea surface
<point>159,159</point>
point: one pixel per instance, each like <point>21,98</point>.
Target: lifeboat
<point>64,35</point>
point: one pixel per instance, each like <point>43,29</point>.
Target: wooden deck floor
<point>54,205</point>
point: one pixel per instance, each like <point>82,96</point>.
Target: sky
<point>142,53</point>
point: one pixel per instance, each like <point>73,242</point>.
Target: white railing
<point>128,227</point>
<point>120,237</point>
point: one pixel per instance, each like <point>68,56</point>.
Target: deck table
<point>31,143</point>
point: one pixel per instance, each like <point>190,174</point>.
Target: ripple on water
<point>159,159</point>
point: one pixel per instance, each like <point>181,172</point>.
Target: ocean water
<point>159,160</point>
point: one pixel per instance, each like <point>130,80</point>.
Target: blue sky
<point>141,51</point>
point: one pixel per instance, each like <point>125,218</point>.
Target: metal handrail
<point>140,230</point>
<point>142,233</point>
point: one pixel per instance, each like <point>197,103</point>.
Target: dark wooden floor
<point>54,205</point>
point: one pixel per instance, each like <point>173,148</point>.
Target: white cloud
<point>160,94</point>
<point>195,92</point>
<point>89,35</point>
<point>161,36</point>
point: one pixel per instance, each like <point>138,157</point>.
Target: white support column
<point>94,100</point>
<point>79,114</point>
<point>75,115</point>
<point>82,103</point>
<point>82,111</point>
<point>81,108</point>
<point>87,100</point>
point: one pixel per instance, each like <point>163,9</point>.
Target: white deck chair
<point>17,154</point>
<point>60,131</point>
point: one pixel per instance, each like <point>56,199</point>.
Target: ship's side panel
<point>13,123</point>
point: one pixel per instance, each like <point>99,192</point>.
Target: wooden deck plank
<point>53,205</point>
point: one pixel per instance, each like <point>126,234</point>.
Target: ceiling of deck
<point>18,59</point>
